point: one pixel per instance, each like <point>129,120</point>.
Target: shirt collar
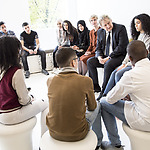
<point>145,60</point>
<point>68,69</point>
<point>107,32</point>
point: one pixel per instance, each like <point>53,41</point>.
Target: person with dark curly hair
<point>134,113</point>
<point>16,105</point>
<point>140,30</point>
<point>142,20</point>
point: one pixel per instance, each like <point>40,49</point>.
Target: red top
<point>8,96</point>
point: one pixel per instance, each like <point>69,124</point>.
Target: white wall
<point>121,11</point>
<point>14,13</point>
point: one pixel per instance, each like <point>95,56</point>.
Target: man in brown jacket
<point>72,104</point>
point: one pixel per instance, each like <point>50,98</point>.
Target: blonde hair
<point>92,17</point>
<point>103,17</point>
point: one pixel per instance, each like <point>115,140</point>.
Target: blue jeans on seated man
<point>108,113</point>
<point>115,77</point>
<point>91,115</point>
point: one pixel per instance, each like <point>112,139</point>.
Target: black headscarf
<point>82,22</point>
<point>84,32</point>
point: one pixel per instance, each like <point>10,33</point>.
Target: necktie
<point>108,44</point>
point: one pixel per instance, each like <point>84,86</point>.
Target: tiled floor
<point>37,82</point>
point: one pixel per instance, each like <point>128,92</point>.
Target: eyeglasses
<point>75,58</point>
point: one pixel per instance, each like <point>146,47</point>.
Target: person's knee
<point>89,61</point>
<point>42,53</point>
<point>118,76</point>
<point>24,57</point>
<point>103,102</point>
<point>55,50</point>
<point>108,67</point>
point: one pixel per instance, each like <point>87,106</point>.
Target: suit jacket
<point>119,41</point>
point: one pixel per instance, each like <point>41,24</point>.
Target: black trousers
<point>109,67</point>
<point>39,52</point>
<point>54,61</point>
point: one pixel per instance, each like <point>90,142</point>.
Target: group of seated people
<point>72,109</point>
<point>30,45</point>
<point>91,47</point>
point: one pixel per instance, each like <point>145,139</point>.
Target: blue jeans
<point>108,113</point>
<point>91,115</point>
<point>114,78</point>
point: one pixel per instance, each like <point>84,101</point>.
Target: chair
<point>88,143</point>
<point>18,136</point>
<point>139,140</point>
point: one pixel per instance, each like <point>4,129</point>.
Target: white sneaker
<point>107,146</point>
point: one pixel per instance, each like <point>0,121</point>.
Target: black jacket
<point>119,41</point>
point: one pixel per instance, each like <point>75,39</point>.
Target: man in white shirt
<point>135,113</point>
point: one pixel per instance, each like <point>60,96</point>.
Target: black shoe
<point>97,88</point>
<point>27,74</point>
<point>29,89</point>
<point>45,72</point>
<point>97,147</point>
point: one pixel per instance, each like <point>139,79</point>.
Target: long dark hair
<point>71,29</point>
<point>145,21</point>
<point>9,52</point>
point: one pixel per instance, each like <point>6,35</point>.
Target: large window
<point>44,13</point>
<point>43,17</point>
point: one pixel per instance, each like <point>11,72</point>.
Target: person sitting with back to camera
<point>31,46</point>
<point>16,105</point>
<point>72,104</point>
<point>134,113</point>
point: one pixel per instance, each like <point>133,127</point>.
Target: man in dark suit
<point>112,41</point>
